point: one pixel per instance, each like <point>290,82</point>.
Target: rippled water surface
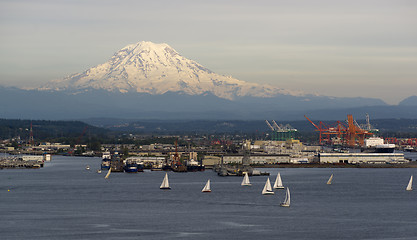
<point>65,201</point>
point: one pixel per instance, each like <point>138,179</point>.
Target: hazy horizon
<point>343,49</point>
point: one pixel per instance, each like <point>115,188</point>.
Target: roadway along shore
<point>336,165</point>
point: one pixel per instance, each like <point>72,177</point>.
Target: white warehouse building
<point>258,159</point>
<point>357,158</point>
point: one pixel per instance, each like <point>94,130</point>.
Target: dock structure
<point>19,162</point>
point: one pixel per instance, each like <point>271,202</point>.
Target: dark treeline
<point>44,130</point>
<point>240,126</point>
<point>148,132</point>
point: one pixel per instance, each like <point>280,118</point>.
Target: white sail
<point>245,181</point>
<point>278,182</point>
<point>207,187</point>
<point>410,184</point>
<point>287,200</point>
<point>267,188</point>
<point>108,174</point>
<point>165,183</point>
<point>330,180</point>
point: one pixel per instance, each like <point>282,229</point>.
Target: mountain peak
<point>146,47</point>
<point>148,67</point>
<point>410,101</point>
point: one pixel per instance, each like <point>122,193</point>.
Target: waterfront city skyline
<point>347,49</point>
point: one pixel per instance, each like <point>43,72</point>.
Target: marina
<point>75,203</point>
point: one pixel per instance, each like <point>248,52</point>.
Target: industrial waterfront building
<point>361,158</point>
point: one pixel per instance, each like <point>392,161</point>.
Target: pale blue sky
<point>337,48</point>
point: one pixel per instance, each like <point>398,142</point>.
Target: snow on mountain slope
<point>152,68</point>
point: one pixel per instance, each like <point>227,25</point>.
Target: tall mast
<point>31,141</point>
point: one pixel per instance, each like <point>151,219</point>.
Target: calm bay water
<point>65,201</point>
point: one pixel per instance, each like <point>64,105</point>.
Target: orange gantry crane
<point>326,132</point>
<point>350,134</point>
<point>356,135</point>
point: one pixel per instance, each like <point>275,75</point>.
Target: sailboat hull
<point>165,188</point>
<point>206,191</point>
<point>284,205</point>
<point>268,193</point>
<point>279,187</point>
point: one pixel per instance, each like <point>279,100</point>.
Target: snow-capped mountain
<point>146,67</point>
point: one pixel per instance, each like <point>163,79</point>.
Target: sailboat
<point>245,181</point>
<point>278,182</point>
<point>287,200</point>
<point>207,187</point>
<point>108,174</point>
<point>330,180</point>
<point>165,183</point>
<point>267,188</point>
<point>410,184</point>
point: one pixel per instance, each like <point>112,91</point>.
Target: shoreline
<point>336,165</point>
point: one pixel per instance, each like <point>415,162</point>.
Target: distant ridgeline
<point>236,126</point>
<point>44,130</point>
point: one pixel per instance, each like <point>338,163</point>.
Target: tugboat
<point>131,166</point>
<point>194,166</point>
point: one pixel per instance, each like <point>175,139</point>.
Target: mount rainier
<point>146,67</point>
<point>153,81</point>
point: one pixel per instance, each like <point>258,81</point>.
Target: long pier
<point>17,162</point>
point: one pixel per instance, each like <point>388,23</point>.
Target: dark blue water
<point>65,201</point>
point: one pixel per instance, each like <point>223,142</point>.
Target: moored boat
<point>105,161</point>
<point>131,167</point>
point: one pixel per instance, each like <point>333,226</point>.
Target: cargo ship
<point>377,145</point>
